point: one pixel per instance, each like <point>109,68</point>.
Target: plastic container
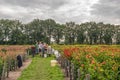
<point>54,62</point>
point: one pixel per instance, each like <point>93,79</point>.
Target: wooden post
<point>3,72</point>
<point>78,74</point>
<point>62,62</point>
<point>16,64</point>
<point>13,65</point>
<point>68,68</point>
<point>87,77</point>
<point>8,67</point>
<point>72,72</point>
<point>66,71</point>
<point>59,59</point>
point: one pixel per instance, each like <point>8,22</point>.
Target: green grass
<point>40,69</point>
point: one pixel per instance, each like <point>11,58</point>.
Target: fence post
<point>16,64</point>
<point>59,59</point>
<point>78,70</point>
<point>8,67</point>
<point>66,68</point>
<point>72,71</point>
<point>3,72</point>
<point>62,62</point>
<point>87,77</point>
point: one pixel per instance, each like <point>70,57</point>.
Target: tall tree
<point>80,29</point>
<point>58,32</point>
<point>70,33</point>
<point>108,33</point>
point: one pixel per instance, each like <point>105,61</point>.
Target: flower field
<point>100,62</point>
<point>8,60</point>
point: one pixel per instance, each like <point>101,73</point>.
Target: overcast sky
<point>107,11</point>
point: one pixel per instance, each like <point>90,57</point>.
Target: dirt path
<point>13,75</point>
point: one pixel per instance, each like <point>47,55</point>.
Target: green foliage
<point>14,32</point>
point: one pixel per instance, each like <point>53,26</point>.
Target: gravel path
<point>13,75</point>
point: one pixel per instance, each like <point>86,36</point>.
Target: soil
<point>13,75</point>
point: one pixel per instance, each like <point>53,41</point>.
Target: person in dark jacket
<point>19,59</point>
<point>33,51</point>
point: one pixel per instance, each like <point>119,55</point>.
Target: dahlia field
<point>101,62</point>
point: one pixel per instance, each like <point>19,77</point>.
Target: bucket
<point>53,62</point>
<point>45,55</point>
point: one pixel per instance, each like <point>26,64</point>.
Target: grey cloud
<point>107,8</point>
<point>5,16</point>
<point>42,9</point>
<point>35,3</point>
<point>61,10</point>
<point>34,8</point>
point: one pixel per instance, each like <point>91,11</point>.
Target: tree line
<point>15,32</point>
